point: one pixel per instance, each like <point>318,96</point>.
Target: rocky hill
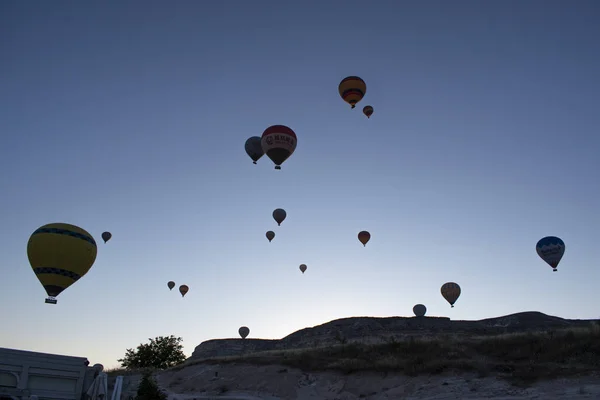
<point>378,330</point>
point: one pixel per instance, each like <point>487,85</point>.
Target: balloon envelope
<point>270,235</point>
<point>106,236</point>
<point>171,285</point>
<point>244,332</point>
<point>352,89</point>
<point>254,148</point>
<point>551,249</point>
<point>419,310</point>
<point>183,289</point>
<point>278,142</point>
<point>364,237</point>
<point>303,268</point>
<point>279,215</point>
<point>60,254</point>
<point>451,292</point>
<point>368,111</point>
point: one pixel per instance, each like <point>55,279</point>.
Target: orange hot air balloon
<point>171,285</point>
<point>364,237</point>
<point>183,289</point>
<point>352,89</point>
<point>303,268</point>
<point>368,111</point>
<point>270,235</point>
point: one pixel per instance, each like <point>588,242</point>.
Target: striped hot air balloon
<point>60,254</point>
<point>368,111</point>
<point>352,89</point>
<point>451,292</point>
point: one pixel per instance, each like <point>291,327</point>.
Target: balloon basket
<point>277,167</point>
<point>51,300</point>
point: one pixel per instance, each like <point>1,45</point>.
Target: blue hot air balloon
<point>551,250</point>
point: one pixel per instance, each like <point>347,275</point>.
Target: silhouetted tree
<point>148,389</point>
<point>161,353</point>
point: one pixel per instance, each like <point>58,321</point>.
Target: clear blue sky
<point>132,116</point>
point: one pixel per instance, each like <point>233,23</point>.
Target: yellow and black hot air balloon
<point>60,254</point>
<point>352,89</point>
<point>368,111</point>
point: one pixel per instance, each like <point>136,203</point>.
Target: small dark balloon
<point>106,236</point>
<point>254,148</point>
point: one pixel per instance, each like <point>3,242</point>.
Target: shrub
<point>149,390</point>
<point>161,353</point>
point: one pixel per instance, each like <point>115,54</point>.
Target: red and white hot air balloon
<point>278,143</point>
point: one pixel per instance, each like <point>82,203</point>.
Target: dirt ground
<point>282,383</point>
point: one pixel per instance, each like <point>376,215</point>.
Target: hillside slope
<point>520,356</point>
<point>379,330</point>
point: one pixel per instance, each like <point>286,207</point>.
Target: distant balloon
<point>106,236</point>
<point>270,235</point>
<point>364,237</point>
<point>244,332</point>
<point>551,249</point>
<point>303,268</point>
<point>352,89</point>
<point>279,215</point>
<point>451,292</point>
<point>419,310</point>
<point>183,289</point>
<point>60,254</point>
<point>171,285</point>
<point>254,148</point>
<point>368,111</point>
<point>278,142</point>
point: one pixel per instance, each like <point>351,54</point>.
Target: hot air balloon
<point>551,250</point>
<point>451,292</point>
<point>368,111</point>
<point>364,237</point>
<point>270,235</point>
<point>279,215</point>
<point>278,142</point>
<point>60,254</point>
<point>352,89</point>
<point>244,332</point>
<point>106,236</point>
<point>254,148</point>
<point>171,285</point>
<point>303,268</point>
<point>419,310</point>
<point>183,289</point>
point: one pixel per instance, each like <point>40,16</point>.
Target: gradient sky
<point>132,116</point>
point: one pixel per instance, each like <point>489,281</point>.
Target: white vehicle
<point>27,375</point>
